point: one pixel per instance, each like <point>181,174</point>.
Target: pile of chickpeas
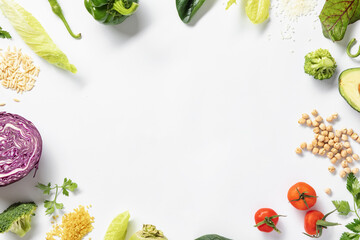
<point>333,144</point>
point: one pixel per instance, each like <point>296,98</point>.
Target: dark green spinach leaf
<point>187,8</point>
<point>336,15</point>
<point>4,34</point>
<point>212,237</point>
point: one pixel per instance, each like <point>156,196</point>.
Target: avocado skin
<point>353,105</point>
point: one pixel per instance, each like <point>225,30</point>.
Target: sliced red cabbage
<point>20,148</point>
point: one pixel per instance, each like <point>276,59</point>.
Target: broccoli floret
<point>320,64</point>
<point>17,218</point>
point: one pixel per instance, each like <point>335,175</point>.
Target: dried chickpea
<point>346,144</point>
<point>342,174</point>
<point>314,112</point>
<point>319,119</point>
<point>327,147</point>
<point>358,140</point>
<point>343,153</point>
<point>336,139</point>
<point>347,170</point>
<point>327,139</point>
<point>327,191</point>
<point>331,135</point>
<point>298,150</point>
<point>331,142</point>
<point>314,143</point>
<point>349,151</point>
<point>329,119</point>
<point>331,169</point>
<point>308,123</point>
<point>338,156</point>
<point>356,157</point>
<point>321,138</point>
<point>309,147</point>
<point>355,170</point>
<point>315,150</point>
<point>322,126</point>
<point>322,151</point>
<point>338,133</point>
<point>315,123</point>
<point>344,137</point>
<point>324,133</point>
<point>321,144</point>
<point>330,155</point>
<point>349,159</point>
<point>344,131</point>
<point>333,160</point>
<point>337,146</point>
<point>344,163</point>
<point>350,131</point>
<point>354,136</point>
<point>329,128</point>
<point>335,115</point>
<point>303,145</point>
<point>305,116</point>
<point>334,150</point>
<point>316,130</point>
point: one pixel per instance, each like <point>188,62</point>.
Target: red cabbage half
<point>20,148</point>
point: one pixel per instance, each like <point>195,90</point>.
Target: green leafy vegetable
<point>229,4</point>
<point>118,227</point>
<point>187,8</point>
<point>320,64</point>
<point>257,10</point>
<point>349,236</point>
<point>336,15</point>
<point>342,207</point>
<point>212,237</point>
<point>68,185</point>
<point>34,35</point>
<point>17,218</point>
<point>354,226</point>
<point>4,34</point>
<point>55,6</point>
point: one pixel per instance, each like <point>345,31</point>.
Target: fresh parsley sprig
<point>343,207</point>
<point>68,185</point>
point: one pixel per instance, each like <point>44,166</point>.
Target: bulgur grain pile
<point>17,70</point>
<point>334,144</point>
<point>74,226</point>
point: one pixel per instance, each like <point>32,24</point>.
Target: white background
<point>191,128</point>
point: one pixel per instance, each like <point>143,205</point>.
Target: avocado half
<point>349,87</point>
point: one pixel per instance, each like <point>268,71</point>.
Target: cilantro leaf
<point>343,207</point>
<point>349,236</point>
<point>354,226</point>
<point>352,184</point>
<point>4,34</point>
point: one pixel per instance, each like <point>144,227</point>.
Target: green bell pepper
<point>111,11</point>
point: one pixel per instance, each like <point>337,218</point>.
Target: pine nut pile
<point>17,70</point>
<point>334,144</point>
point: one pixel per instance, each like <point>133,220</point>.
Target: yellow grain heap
<point>74,226</point>
<point>17,70</point>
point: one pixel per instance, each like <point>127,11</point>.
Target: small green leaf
<point>59,205</point>
<point>352,184</point>
<point>73,186</point>
<point>343,207</point>
<point>4,34</point>
<point>47,204</point>
<point>65,192</point>
<point>354,226</point>
<point>50,210</point>
<point>229,3</point>
<point>349,236</point>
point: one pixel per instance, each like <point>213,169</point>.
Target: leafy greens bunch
<point>68,185</point>
<point>343,207</point>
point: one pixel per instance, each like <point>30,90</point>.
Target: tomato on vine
<point>302,196</point>
<point>266,220</point>
<point>315,222</point>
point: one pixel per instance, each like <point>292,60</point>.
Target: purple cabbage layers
<point>20,148</point>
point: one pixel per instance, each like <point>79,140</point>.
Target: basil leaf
<point>187,8</point>
<point>336,15</point>
<point>212,237</point>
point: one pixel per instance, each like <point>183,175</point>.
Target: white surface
<point>190,128</point>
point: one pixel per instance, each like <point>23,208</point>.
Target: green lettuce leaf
<point>34,35</point>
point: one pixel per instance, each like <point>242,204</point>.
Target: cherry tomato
<point>302,196</point>
<point>265,215</point>
<point>311,218</point>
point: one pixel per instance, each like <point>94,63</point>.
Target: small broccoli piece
<point>320,64</point>
<point>17,218</point>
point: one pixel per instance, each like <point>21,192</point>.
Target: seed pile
<point>17,70</point>
<point>334,144</point>
<point>74,226</point>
